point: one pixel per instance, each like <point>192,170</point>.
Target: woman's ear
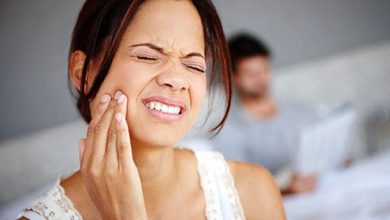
<point>76,64</point>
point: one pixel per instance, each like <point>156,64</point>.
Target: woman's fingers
<point>123,144</point>
<point>111,157</point>
<point>108,140</point>
<point>110,174</point>
<point>100,109</point>
<point>101,135</point>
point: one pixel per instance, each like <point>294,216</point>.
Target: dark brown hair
<point>244,45</point>
<point>99,30</point>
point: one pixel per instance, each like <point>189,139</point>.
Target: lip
<point>167,101</point>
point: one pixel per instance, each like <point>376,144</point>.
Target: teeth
<point>163,108</point>
<point>171,109</point>
<point>157,106</point>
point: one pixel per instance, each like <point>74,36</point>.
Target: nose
<point>173,78</point>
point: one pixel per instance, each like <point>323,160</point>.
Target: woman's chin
<point>155,139</point>
<point>157,133</point>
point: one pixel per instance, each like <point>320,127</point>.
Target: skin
<point>128,168</point>
<point>252,78</point>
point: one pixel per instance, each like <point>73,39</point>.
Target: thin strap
<point>30,215</point>
<point>54,204</point>
<point>222,198</point>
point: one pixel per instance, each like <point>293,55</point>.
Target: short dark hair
<point>105,22</point>
<point>245,45</point>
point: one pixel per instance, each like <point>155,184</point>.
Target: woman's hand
<point>106,163</point>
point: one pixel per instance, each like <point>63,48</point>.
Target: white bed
<point>360,192</point>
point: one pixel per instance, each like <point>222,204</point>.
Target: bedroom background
<point>326,53</point>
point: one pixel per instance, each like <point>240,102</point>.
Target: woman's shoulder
<point>53,204</point>
<point>257,190</point>
<point>77,193</point>
<point>255,185</point>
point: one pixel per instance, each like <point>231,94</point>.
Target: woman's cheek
<point>132,83</point>
<point>105,88</point>
<point>198,93</point>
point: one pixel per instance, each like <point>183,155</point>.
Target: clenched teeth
<point>163,108</point>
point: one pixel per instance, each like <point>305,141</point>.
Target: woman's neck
<point>158,172</point>
<point>154,163</point>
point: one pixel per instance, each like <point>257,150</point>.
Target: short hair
<point>245,45</point>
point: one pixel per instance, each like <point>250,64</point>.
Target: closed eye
<point>196,69</point>
<point>146,58</point>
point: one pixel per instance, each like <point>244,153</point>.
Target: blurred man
<point>261,129</point>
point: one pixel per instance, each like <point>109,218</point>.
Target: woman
<point>139,68</point>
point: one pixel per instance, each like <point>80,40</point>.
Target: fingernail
<point>121,98</point>
<point>117,94</point>
<point>105,98</point>
<point>118,117</point>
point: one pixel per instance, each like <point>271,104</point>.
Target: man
<point>261,129</point>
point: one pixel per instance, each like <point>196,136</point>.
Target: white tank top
<point>222,199</point>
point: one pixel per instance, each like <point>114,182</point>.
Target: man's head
<point>250,59</point>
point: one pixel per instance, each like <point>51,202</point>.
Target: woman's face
<point>160,67</point>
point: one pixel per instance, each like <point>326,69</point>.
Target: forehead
<point>170,24</point>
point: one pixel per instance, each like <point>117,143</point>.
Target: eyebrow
<point>194,54</point>
<point>161,50</point>
<point>151,46</point>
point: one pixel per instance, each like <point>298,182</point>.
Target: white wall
<point>359,77</point>
<point>300,30</point>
